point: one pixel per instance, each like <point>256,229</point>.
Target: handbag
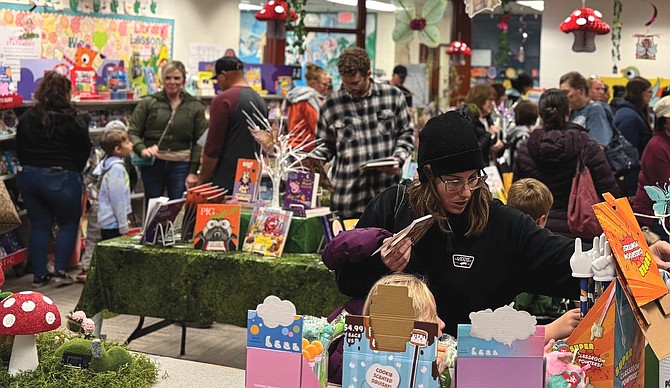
<point>138,160</point>
<point>582,219</point>
<point>621,155</point>
<point>9,217</point>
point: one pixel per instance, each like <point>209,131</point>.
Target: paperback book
<point>413,231</point>
<point>268,230</point>
<point>217,227</point>
<point>379,163</point>
<point>158,224</point>
<point>247,177</point>
<point>301,191</point>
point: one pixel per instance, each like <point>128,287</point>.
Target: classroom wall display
<point>629,72</point>
<point>68,39</point>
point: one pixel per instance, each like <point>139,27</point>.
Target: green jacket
<point>151,116</point>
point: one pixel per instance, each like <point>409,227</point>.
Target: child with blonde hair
<point>534,198</point>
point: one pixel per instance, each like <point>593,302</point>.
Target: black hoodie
<point>487,271</point>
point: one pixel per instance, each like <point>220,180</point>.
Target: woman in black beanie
<point>479,253</point>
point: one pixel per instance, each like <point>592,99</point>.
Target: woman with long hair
<point>552,152</point>
<point>52,144</point>
<point>478,253</point>
<point>632,115</point>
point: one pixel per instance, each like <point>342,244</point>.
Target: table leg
<point>141,331</point>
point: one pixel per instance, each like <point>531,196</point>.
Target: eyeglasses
<point>456,185</point>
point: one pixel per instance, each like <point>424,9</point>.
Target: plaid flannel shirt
<point>357,130</point>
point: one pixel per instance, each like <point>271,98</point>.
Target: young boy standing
<point>534,198</point>
<point>114,195</point>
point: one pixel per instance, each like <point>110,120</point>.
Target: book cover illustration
<point>159,219</point>
<point>217,227</point>
<point>12,161</point>
<point>5,168</point>
<point>268,229</point>
<point>205,193</point>
<point>301,189</point>
<point>247,176</point>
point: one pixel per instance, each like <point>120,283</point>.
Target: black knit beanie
<point>449,145</point>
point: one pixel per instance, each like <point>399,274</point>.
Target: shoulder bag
<point>138,160</point>
<point>9,217</point>
<point>621,155</point>
<point>582,219</point>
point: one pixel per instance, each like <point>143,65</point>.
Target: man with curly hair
<point>364,120</point>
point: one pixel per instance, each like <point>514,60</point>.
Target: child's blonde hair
<point>111,139</point>
<point>422,297</point>
<point>531,197</point>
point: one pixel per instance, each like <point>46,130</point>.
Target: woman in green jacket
<point>164,129</point>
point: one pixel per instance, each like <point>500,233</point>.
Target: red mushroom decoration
<point>274,12</point>
<point>585,24</point>
<point>458,51</point>
<point>23,315</point>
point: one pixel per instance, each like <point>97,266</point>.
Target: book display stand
<point>163,235</point>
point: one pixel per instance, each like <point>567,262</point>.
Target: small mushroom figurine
<point>458,50</point>
<point>23,315</point>
<point>585,24</point>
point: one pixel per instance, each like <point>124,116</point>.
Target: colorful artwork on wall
<point>74,39</point>
<point>630,72</point>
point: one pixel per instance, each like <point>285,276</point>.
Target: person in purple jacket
<point>654,166</point>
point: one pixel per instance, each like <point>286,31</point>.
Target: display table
<point>181,284</point>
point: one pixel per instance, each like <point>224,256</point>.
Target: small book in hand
<point>413,231</point>
<point>379,163</point>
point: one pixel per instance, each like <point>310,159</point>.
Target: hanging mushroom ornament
<point>23,315</point>
<point>585,24</point>
<point>274,12</point>
<point>457,51</point>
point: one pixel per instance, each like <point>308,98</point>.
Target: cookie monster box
<point>389,348</point>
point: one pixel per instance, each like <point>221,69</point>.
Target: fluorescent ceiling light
<point>249,7</point>
<point>369,4</point>
<point>537,5</point>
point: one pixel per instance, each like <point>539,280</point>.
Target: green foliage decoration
<point>141,372</point>
<point>298,25</point>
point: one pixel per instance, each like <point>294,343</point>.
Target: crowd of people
<point>479,253</point>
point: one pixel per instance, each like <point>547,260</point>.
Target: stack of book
<point>203,194</point>
<point>217,227</point>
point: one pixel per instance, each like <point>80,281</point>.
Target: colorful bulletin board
<point>38,41</point>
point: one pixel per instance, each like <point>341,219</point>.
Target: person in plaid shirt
<point>362,121</point>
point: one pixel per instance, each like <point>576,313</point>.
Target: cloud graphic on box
<point>505,325</point>
<point>275,312</point>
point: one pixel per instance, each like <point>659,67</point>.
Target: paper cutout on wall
<point>630,72</point>
<point>645,47</point>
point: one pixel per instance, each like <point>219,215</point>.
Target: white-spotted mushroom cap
<point>275,10</point>
<point>28,312</point>
<point>585,19</point>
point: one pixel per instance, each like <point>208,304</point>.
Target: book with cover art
<point>268,230</point>
<point>413,231</point>
<point>12,161</point>
<point>247,176</point>
<point>301,190</point>
<point>160,215</point>
<point>217,227</point>
<point>205,193</point>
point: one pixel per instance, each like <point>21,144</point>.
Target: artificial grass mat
<point>142,372</point>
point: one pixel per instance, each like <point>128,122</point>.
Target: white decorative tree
<point>278,157</point>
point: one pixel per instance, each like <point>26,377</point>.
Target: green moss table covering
<point>183,284</point>
<point>304,236</point>
<point>140,372</point>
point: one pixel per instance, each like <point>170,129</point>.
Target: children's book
<point>414,231</point>
<point>160,215</point>
<point>247,177</point>
<point>301,191</point>
<point>205,193</point>
<point>268,230</point>
<point>12,161</point>
<point>217,227</point>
